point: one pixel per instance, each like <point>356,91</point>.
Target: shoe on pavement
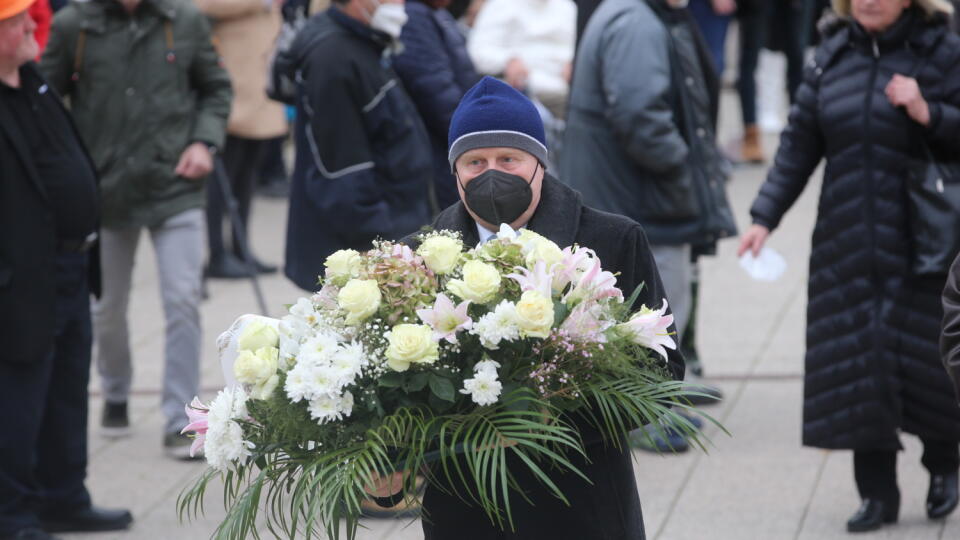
<point>114,422</point>
<point>872,515</point>
<point>942,497</point>
<point>226,266</point>
<point>177,446</point>
<point>30,533</point>
<point>88,519</point>
<point>656,439</point>
<point>702,394</point>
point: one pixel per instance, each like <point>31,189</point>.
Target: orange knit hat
<point>9,8</point>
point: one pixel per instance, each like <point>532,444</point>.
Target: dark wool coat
<point>610,508</point>
<point>437,71</point>
<point>872,364</point>
<point>28,247</point>
<point>363,164</point>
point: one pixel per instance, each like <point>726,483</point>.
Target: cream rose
<point>411,344</point>
<point>257,335</point>
<point>343,265</point>
<point>480,282</point>
<point>544,250</point>
<point>534,314</point>
<point>440,253</point>
<point>360,298</point>
<point>256,367</point>
<point>265,390</point>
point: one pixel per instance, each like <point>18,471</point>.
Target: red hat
<point>9,8</point>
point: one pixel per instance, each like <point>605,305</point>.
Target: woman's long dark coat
<point>609,509</point>
<point>872,364</point>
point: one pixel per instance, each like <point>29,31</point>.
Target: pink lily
<point>539,279</point>
<point>402,251</point>
<point>446,319</point>
<point>584,323</point>
<point>648,328</point>
<point>594,284</point>
<point>197,413</point>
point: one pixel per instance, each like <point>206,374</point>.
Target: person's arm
<point>639,267</point>
<point>212,85</point>
<point>487,43</point>
<point>944,127</point>
<point>229,9</point>
<point>56,64</point>
<point>950,335</point>
<point>801,149</point>
<point>426,72</point>
<point>635,71</point>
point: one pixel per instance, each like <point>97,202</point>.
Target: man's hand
<point>516,73</point>
<point>904,92</point>
<point>195,162</point>
<point>384,486</point>
<point>753,240</point>
<point>724,7</point>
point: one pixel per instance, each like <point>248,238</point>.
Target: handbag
<point>933,214</point>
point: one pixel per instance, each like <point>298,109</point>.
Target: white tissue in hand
<point>768,266</point>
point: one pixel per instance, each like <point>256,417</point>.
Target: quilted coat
<point>872,364</point>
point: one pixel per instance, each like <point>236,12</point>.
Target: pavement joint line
<point>738,394</point>
<point>813,493</point>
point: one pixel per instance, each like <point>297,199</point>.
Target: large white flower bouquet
<point>443,361</point>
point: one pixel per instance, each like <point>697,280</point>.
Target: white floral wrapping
<point>227,343</point>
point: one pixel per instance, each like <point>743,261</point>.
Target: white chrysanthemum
<point>224,443</point>
<point>497,326</point>
<point>318,349</point>
<point>294,328</point>
<point>323,380</point>
<point>328,408</point>
<point>483,388</point>
<point>297,385</point>
<point>488,366</point>
<point>348,362</point>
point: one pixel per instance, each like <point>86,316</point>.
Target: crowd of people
<point>124,116</point>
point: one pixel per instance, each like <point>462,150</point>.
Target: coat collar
<point>95,12</point>
<point>380,39</point>
<point>557,216</point>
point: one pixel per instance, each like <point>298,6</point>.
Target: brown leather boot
<point>751,151</point>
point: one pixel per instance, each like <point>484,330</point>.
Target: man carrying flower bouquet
<point>497,151</point>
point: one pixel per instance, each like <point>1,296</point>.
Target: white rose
<point>544,250</point>
<point>360,298</point>
<point>256,335</point>
<point>256,367</point>
<point>343,265</point>
<point>440,253</point>
<point>265,390</point>
<point>411,344</point>
<point>534,314</point>
<point>480,283</point>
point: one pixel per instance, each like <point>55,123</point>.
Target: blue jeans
<point>714,30</point>
<point>43,434</point>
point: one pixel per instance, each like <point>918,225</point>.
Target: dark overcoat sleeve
<point>950,337</point>
<point>638,267</point>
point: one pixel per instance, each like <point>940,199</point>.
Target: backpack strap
<point>78,55</point>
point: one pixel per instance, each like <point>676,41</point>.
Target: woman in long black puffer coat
<point>885,78</point>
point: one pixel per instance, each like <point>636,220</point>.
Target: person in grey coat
<point>642,116</point>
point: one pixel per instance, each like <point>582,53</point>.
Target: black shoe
<point>177,446</point>
<point>942,498</point>
<point>227,267</point>
<point>702,394</point>
<point>872,515</point>
<point>262,267</point>
<point>658,440</point>
<point>87,519</point>
<point>30,533</point>
<point>114,422</point>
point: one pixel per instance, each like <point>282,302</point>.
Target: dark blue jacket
<point>363,156</point>
<point>436,71</point>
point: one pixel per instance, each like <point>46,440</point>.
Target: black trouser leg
<point>43,435</point>
<point>751,40</point>
<point>272,167</point>
<point>241,160</point>
<point>876,474</point>
<point>940,456</point>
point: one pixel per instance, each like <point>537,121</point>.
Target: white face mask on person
<point>389,19</point>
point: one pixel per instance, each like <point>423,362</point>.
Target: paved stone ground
<point>758,483</point>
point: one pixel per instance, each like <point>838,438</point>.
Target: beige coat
<point>244,32</point>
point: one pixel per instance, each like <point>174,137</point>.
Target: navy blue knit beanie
<point>493,114</point>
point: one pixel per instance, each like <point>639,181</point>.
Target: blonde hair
<point>930,7</point>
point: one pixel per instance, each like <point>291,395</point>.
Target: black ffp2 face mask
<point>498,197</point>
